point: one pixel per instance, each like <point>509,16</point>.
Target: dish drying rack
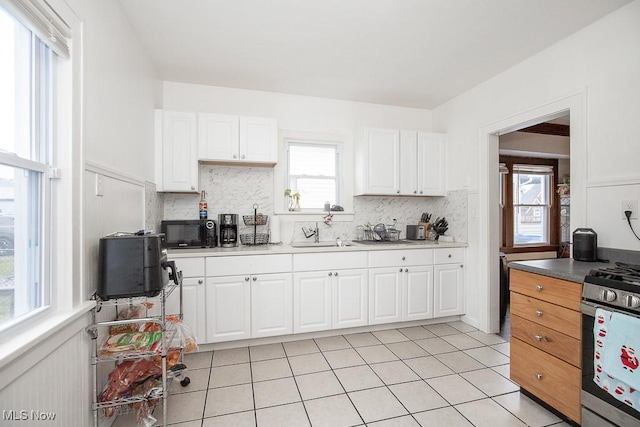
<point>256,220</point>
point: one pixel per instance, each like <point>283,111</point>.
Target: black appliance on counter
<point>228,230</point>
<point>585,245</point>
<point>187,233</point>
<point>615,289</point>
<point>132,265</point>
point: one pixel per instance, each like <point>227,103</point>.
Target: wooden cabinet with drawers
<point>546,327</point>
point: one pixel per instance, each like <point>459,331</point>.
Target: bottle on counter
<point>202,206</point>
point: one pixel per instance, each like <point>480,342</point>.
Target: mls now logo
<point>24,415</point>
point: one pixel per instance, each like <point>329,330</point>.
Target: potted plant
<point>294,200</point>
<point>565,187</point>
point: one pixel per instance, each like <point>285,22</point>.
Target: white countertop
<point>288,249</point>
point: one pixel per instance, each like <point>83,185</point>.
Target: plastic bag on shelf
<point>131,311</point>
<point>150,389</point>
<point>131,342</point>
<point>184,335</point>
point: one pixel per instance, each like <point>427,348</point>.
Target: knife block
<point>426,228</point>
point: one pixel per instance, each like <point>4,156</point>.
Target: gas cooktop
<point>617,285</point>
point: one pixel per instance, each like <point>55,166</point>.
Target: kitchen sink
<point>317,245</point>
<point>384,242</point>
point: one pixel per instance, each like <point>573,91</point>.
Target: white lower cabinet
<point>417,297</point>
<point>193,294</point>
<point>449,282</point>
<point>349,298</point>
<point>271,305</point>
<point>311,301</point>
<point>228,308</point>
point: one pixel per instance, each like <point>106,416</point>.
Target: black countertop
<point>561,268</point>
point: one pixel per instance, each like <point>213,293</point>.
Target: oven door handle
<point>589,309</point>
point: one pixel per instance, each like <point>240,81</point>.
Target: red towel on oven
<point>617,339</point>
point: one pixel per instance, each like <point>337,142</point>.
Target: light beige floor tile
<point>319,384</point>
<point>270,369</point>
<point>198,380</point>
<point>407,350</point>
<point>241,419</point>
<point>275,392</point>
<point>462,327</point>
<point>503,348</point>
<point>333,411</point>
<point>488,339</point>
<point>230,356</point>
<point>376,354</point>
<point>308,363</point>
<point>332,343</point>
<point>488,356</point>
<point>296,348</point>
<point>362,340</point>
<point>198,360</point>
<point>406,421</point>
<point>418,396</point>
<point>443,417</point>
<point>223,376</point>
<point>227,400</point>
<point>390,336</point>
<point>182,408</point>
<point>436,345</point>
<point>376,404</point>
<point>291,415</point>
<point>416,333</point>
<point>459,362</point>
<point>462,341</point>
<point>490,382</point>
<point>442,329</point>
<point>487,413</point>
<point>455,389</point>
<point>526,409</point>
<point>358,378</point>
<point>428,367</point>
<point>343,358</point>
<point>196,423</point>
<point>504,370</point>
<point>394,372</point>
<point>266,352</point>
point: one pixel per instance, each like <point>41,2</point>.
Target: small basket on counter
<point>254,238</point>
<point>258,219</point>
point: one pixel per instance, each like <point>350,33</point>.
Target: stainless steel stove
<point>616,289</point>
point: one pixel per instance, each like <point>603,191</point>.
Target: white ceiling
<point>412,53</point>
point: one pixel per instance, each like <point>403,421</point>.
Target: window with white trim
<point>32,39</point>
<point>313,171</point>
<point>531,204</point>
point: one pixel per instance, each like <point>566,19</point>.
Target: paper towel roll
<point>275,229</point>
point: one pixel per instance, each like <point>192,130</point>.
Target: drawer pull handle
<point>246,279</point>
<point>400,270</point>
<point>538,337</point>
<point>403,258</point>
<point>330,274</point>
<point>200,282</point>
<point>255,278</point>
<point>336,273</point>
<point>538,313</point>
<point>539,288</point>
<point>406,270</point>
<point>538,376</point>
<point>449,255</point>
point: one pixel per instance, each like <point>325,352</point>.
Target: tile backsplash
<point>235,189</point>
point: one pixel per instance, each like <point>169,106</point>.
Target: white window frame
<point>541,170</point>
<point>63,258</point>
<point>344,142</point>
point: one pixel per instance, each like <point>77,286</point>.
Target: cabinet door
<point>179,156</point>
<point>349,294</point>
<point>228,308</point>
<point>385,292</point>
<point>271,305</point>
<point>218,137</point>
<point>258,139</point>
<point>431,161</point>
<point>448,293</point>
<point>193,307</point>
<point>311,301</point>
<point>408,163</point>
<point>417,298</point>
<point>381,161</point>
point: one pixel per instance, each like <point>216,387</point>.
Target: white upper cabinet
<point>228,138</point>
<point>400,162</point>
<point>179,160</point>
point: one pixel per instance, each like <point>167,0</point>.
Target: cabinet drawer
<point>448,256</point>
<point>555,343</point>
<point>248,264</point>
<point>550,315</point>
<point>400,258</point>
<point>190,267</point>
<point>560,292</point>
<point>329,261</point>
<point>555,382</point>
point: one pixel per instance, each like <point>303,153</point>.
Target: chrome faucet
<point>312,232</point>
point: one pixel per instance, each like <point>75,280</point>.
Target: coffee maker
<point>228,230</point>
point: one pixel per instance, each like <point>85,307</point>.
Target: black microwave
<point>187,233</point>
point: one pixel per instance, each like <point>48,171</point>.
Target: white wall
<point>599,67</point>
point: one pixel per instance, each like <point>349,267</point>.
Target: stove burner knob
<point>607,295</point>
<point>631,301</point>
